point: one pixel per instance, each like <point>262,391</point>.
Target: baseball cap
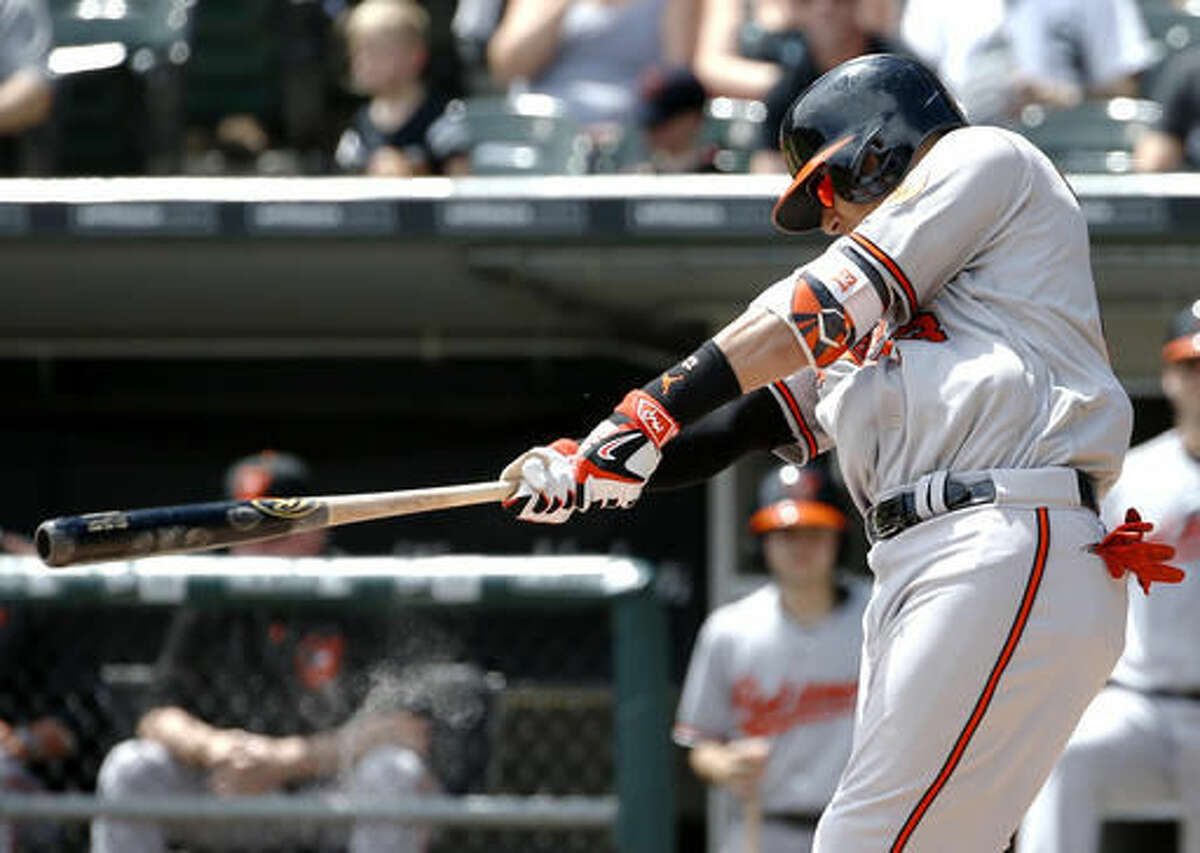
<point>667,93</point>
<point>793,496</point>
<point>269,473</point>
<point>1183,335</point>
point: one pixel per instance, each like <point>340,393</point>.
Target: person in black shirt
<point>1175,142</point>
<point>831,34</point>
<point>388,47</point>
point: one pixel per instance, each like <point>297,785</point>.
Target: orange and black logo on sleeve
<point>821,320</point>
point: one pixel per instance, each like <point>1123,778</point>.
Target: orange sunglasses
<point>822,189</point>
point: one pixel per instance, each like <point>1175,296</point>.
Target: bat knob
<point>54,545</point>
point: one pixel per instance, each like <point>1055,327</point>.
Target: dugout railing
<point>635,814</point>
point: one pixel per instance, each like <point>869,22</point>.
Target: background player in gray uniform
<point>768,703</point>
<point>949,343</point>
<point>1140,738</point>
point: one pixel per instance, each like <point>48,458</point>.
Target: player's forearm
<point>527,40</point>
<point>760,349</point>
<point>324,753</point>
<point>186,737</point>
<point>736,77</point>
<point>25,101</point>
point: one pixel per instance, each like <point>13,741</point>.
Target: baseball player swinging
<point>949,343</point>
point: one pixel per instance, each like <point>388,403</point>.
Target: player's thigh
<point>976,679</point>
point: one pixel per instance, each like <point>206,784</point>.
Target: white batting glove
<point>546,487</point>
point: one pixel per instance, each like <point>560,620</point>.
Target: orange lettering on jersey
<point>762,714</point>
<point>924,326</point>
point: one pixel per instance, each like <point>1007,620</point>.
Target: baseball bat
<point>124,535</point>
<point>751,824</point>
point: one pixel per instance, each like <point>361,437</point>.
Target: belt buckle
<point>885,522</point>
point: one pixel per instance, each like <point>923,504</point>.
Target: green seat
<point>526,134</point>
<point>1173,28</point>
<point>1096,136</point>
<point>733,125</point>
<point>236,64</point>
<point>156,24</point>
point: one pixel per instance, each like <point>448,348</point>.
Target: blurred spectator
<point>26,95</point>
<point>55,714</point>
<point>747,47</point>
<point>588,53</point>
<point>1175,142</point>
<point>999,56</point>
<point>388,45</point>
<point>671,116</point>
<point>264,700</point>
<point>832,32</point>
<point>768,704</point>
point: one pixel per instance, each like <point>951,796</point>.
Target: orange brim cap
<point>796,210</point>
<point>788,514</point>
<point>1182,348</point>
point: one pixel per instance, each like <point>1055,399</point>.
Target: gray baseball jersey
<point>756,672</point>
<point>977,343</point>
<point>25,37</point>
<point>1163,632</point>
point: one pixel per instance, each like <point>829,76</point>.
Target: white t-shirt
<point>980,47</point>
<point>989,353</point>
<point>756,672</point>
<point>1162,636</point>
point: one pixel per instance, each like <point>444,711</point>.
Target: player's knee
<point>131,767</point>
<point>390,770</point>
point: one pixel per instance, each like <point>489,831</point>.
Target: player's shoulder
<point>981,144</point>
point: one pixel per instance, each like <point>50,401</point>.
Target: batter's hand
<point>746,763</point>
<point>546,490</point>
<point>617,458</point>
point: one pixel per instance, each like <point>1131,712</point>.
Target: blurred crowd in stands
<point>453,87</point>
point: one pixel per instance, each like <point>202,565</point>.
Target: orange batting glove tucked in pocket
<point>1124,550</point>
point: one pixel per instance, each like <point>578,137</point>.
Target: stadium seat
<point>119,85</point>
<point>161,25</point>
<point>1096,136</point>
<point>733,125</point>
<point>1171,30</point>
<point>524,134</point>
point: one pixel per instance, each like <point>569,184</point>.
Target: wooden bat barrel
<point>124,535</point>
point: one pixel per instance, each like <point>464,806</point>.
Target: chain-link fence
<point>499,704</point>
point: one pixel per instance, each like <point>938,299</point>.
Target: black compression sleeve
<point>751,422</point>
<point>696,386</point>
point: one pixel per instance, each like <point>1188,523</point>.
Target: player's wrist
<point>682,394</point>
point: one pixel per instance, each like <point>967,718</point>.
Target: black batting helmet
<point>882,104</point>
